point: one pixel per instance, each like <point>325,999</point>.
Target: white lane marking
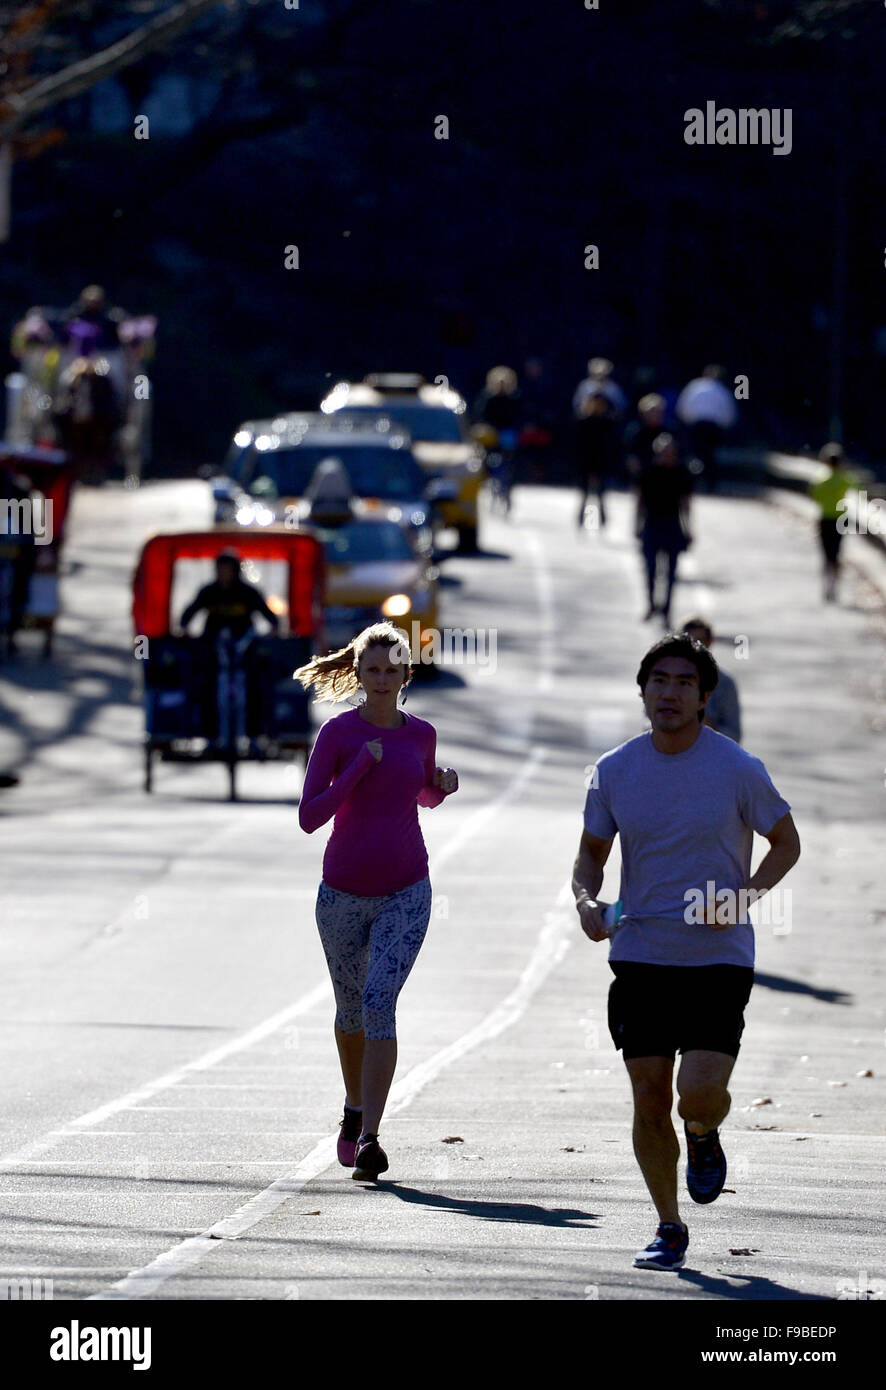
<point>552,944</point>
<point>134,1099</point>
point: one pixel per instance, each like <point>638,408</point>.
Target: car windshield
<point>374,470</point>
<point>364,542</point>
<point>428,424</point>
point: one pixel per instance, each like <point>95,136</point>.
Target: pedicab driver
<point>229,603</point>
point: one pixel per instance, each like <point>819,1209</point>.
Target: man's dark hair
<point>687,649</point>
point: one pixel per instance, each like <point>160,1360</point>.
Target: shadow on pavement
<point>754,1286</point>
<point>518,1212</point>
<point>787,986</point>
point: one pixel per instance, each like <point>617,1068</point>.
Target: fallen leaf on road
<point>765,1128</point>
<point>728,1189</point>
<point>452,1139</point>
<point>761,1100</point>
<point>573,1149</point>
<point>867,1072</point>
<point>310,1213</point>
<point>745,1251</point>
<point>815,1114</point>
<point>836,1083</point>
<point>799,1138</point>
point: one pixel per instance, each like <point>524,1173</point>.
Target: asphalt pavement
<point>171,1085</point>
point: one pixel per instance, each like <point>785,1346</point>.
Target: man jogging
<point>685,802</point>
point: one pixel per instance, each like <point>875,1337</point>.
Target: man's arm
<point>260,606</point>
<point>194,607</point>
<point>784,851</point>
<point>587,880</point>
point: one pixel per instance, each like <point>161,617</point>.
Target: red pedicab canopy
<point>302,552</point>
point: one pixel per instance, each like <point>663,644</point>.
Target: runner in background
<point>829,493</point>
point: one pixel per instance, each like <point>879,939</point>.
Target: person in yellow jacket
<point>830,494</point>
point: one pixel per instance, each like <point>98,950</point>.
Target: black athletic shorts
<point>659,1010</point>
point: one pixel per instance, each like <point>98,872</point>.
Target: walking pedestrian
<point>500,406</point>
<point>642,433</point>
<point>685,803</point>
<point>370,769</point>
<point>723,709</point>
<point>664,489</point>
<point>594,444</point>
<point>707,407</point>
<point>830,494</point>
<point>600,381</point>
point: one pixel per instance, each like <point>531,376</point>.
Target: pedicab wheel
<point>149,767</point>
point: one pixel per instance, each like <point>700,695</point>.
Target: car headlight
<point>396,605</point>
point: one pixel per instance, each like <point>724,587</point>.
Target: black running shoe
<point>705,1165</point>
<point>370,1160</point>
<point>667,1250</point>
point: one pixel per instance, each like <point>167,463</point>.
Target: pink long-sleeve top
<point>376,845</point>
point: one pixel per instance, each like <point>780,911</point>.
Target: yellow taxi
<point>435,418</point>
<point>376,568</point>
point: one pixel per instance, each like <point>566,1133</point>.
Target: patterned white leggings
<point>371,945</point>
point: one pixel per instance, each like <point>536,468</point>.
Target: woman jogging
<point>371,768</point>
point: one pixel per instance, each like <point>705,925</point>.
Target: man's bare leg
<point>655,1142</point>
<point>701,1085</point>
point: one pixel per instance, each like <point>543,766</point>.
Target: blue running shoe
<point>705,1165</point>
<point>667,1251</point>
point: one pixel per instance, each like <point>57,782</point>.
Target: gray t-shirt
<point>684,820</point>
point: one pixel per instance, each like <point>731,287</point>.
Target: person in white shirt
<point>707,408</point>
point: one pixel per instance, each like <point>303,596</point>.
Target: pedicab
<point>227,701</point>
<point>35,495</point>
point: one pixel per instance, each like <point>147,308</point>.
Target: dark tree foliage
<point>315,127</point>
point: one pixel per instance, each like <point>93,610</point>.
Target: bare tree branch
<point>17,108</point>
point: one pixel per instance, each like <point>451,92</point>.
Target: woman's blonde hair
<point>335,677</point>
